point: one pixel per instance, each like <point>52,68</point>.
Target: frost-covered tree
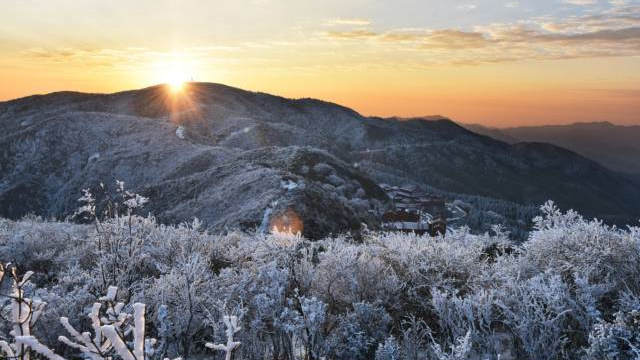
<point>569,292</point>
<point>24,313</point>
<point>232,327</point>
<point>618,339</point>
<point>182,291</point>
<point>112,329</point>
<point>389,350</point>
<point>460,351</point>
<point>359,332</point>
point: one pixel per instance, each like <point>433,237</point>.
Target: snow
<point>323,169</point>
<point>138,330</point>
<point>118,345</point>
<point>6,348</point>
<point>180,132</point>
<point>266,218</point>
<point>244,130</point>
<point>335,180</point>
<point>563,279</point>
<point>232,327</point>
<point>35,345</point>
<point>288,184</point>
<point>111,294</point>
<point>25,278</point>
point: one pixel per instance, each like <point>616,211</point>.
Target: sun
<point>176,77</point>
<point>176,85</point>
<point>174,74</point>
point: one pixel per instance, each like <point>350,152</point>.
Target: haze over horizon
<point>496,63</point>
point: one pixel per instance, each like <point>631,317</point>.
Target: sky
<point>493,62</point>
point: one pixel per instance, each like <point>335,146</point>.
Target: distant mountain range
<point>239,159</point>
<point>614,146</point>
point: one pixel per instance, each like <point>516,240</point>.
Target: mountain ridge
<point>614,146</point>
<point>236,152</point>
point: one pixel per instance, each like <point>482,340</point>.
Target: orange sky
<point>499,63</point>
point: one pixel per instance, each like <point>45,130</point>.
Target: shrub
<point>569,292</point>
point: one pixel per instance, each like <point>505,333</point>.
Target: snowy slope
<point>222,154</point>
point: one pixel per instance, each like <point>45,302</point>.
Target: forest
<point>121,285</point>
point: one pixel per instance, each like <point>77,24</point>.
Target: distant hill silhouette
<point>614,146</point>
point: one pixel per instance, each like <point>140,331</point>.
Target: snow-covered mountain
<point>235,158</point>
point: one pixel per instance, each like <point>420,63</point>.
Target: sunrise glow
<point>175,73</point>
<point>494,62</point>
<point>176,85</point>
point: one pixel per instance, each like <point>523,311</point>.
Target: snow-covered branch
<point>232,327</point>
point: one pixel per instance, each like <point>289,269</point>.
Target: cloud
<point>50,54</point>
<point>581,2</point>
<point>436,39</point>
<point>351,34</point>
<point>443,39</point>
<point>121,57</point>
<point>614,19</point>
<point>82,57</point>
<point>352,22</point>
<point>615,32</point>
<point>467,7</point>
<point>617,36</point>
<point>618,2</point>
<point>611,33</point>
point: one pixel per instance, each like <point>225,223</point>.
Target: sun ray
<point>175,85</point>
<point>174,73</point>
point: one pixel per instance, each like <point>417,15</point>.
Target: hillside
<point>235,158</point>
<point>614,146</point>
